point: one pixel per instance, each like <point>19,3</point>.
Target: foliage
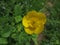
<point>11,28</point>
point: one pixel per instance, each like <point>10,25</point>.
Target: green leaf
<point>19,27</point>
<point>3,41</point>
<point>27,43</point>
<point>7,30</point>
<point>34,38</point>
<point>57,42</point>
<point>18,18</point>
<point>6,34</point>
<point>17,10</point>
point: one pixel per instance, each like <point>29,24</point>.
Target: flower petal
<point>42,17</point>
<point>25,22</point>
<point>28,31</point>
<point>39,29</point>
<point>31,14</point>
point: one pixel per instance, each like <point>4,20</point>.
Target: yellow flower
<point>34,22</point>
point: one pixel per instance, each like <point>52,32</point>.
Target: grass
<point>12,12</point>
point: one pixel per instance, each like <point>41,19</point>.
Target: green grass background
<point>11,28</point>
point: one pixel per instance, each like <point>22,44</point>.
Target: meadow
<point>11,27</point>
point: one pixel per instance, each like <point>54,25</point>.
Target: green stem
<point>35,40</point>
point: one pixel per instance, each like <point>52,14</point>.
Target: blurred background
<point>11,28</point>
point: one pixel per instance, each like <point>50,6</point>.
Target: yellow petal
<point>39,29</point>
<point>31,14</point>
<point>25,22</point>
<point>42,18</point>
<point>28,31</point>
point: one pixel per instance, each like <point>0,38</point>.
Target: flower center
<point>32,25</point>
<point>31,28</point>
